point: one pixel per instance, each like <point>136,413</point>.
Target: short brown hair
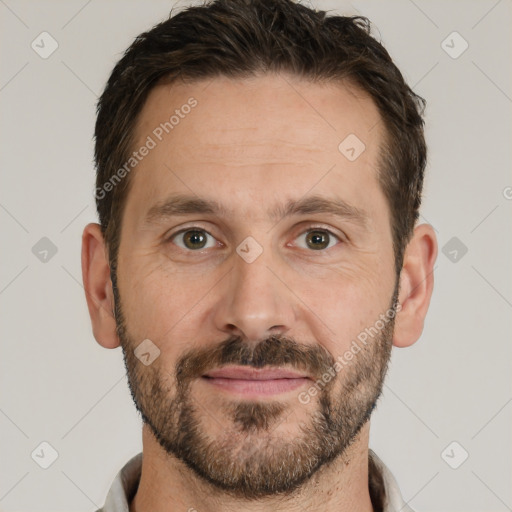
<point>242,38</point>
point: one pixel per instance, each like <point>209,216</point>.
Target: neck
<point>167,485</point>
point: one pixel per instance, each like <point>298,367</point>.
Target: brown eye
<point>318,239</point>
<point>193,239</point>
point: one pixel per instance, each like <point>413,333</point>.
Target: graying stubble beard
<point>239,464</point>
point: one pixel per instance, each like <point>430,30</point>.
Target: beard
<point>249,459</point>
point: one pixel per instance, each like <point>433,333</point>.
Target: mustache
<point>272,351</point>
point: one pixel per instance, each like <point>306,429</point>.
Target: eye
<point>318,239</point>
<point>193,239</point>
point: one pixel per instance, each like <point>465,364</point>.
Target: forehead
<point>233,108</point>
<point>255,136</point>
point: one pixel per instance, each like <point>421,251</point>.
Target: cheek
<point>345,303</point>
<point>151,298</point>
<point>164,305</point>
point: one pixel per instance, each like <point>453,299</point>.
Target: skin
<point>251,144</point>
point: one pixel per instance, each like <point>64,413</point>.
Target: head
<point>296,170</point>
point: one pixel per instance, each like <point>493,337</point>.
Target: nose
<point>255,301</point>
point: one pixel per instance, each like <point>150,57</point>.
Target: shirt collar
<point>126,482</point>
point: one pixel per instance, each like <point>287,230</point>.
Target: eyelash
<point>198,228</point>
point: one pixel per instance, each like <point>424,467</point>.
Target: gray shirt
<point>384,491</point>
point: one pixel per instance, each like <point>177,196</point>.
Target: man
<point>259,174</point>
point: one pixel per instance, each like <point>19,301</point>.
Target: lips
<point>244,373</point>
<point>253,383</point>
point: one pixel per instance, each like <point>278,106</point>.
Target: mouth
<point>255,381</point>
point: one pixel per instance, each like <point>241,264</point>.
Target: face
<point>250,242</point>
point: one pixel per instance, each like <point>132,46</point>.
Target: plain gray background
<point>59,386</point>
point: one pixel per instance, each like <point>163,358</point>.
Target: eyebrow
<point>182,204</point>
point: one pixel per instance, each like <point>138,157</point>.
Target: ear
<point>98,286</point>
<point>416,285</point>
